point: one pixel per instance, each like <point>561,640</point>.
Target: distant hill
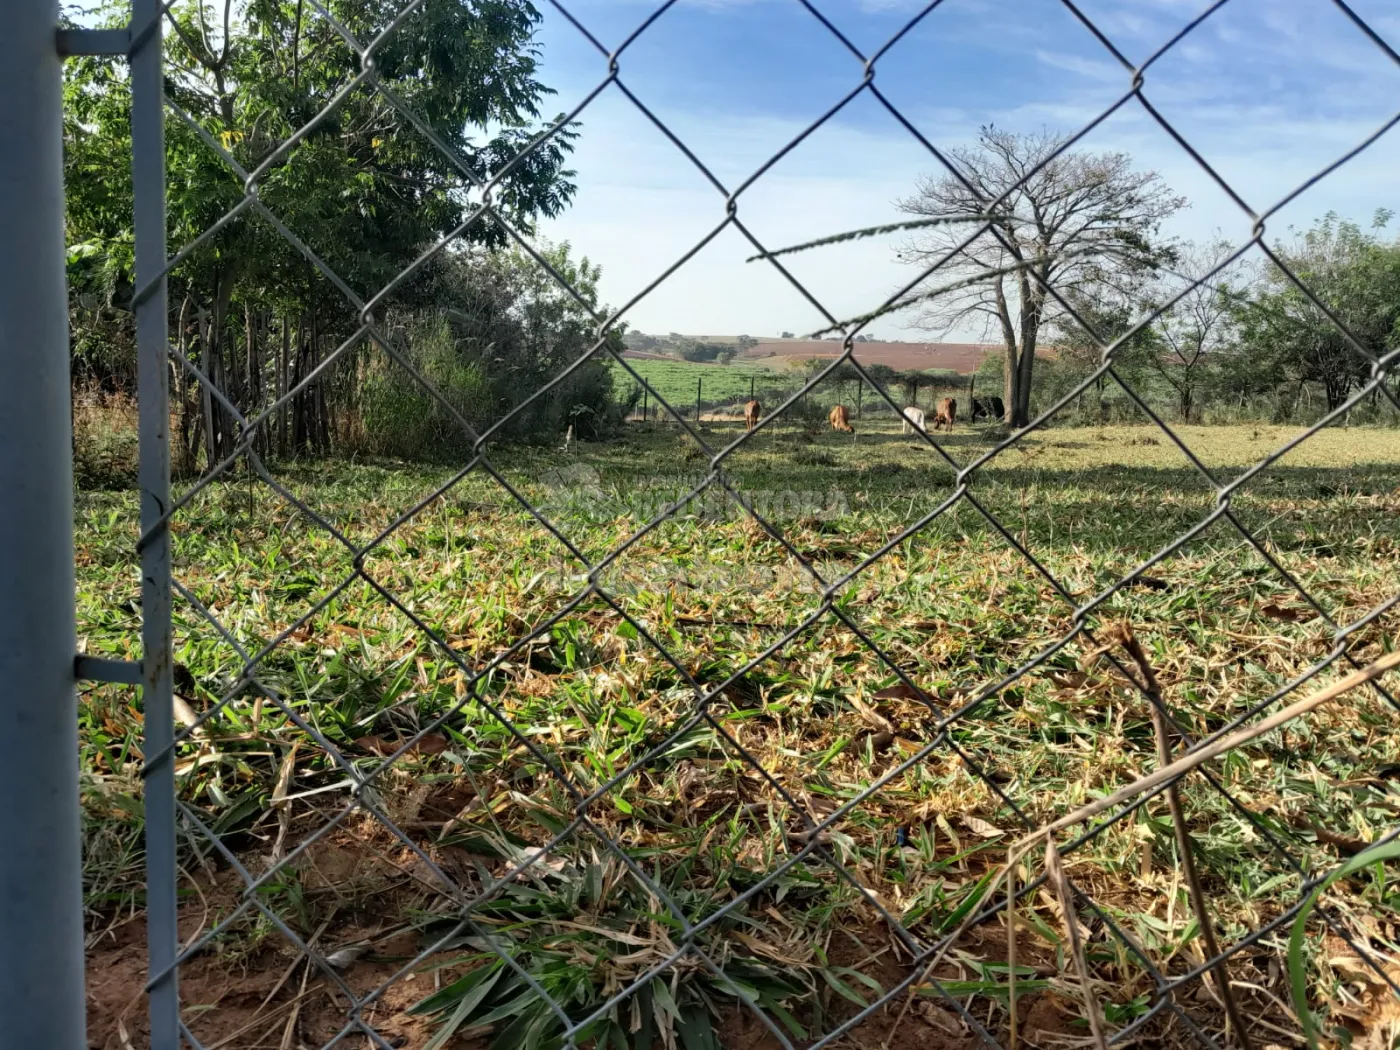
<point>956,357</point>
<point>963,358</point>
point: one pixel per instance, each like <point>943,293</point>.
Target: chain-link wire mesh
<point>958,977</point>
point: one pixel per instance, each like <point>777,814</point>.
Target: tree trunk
<point>283,362</point>
<point>206,403</point>
<point>1009,388</point>
<point>218,424</point>
<point>1011,366</point>
<point>1020,415</point>
<point>1335,389</point>
<point>1031,308</point>
<point>188,429</point>
<point>294,408</point>
<point>251,323</point>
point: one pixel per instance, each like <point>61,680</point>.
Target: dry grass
<point>708,807</point>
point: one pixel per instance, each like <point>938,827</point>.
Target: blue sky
<point>1269,91</point>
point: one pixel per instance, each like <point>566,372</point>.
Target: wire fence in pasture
<point>1043,920</point>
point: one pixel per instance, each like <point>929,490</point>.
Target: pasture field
<point>722,384</point>
<point>958,607</point>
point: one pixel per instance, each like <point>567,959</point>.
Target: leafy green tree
<point>913,381</point>
<point>362,187</point>
<point>1355,273</point>
<point>494,328</point>
<point>884,376</point>
<point>1078,353</point>
<point>1197,327</point>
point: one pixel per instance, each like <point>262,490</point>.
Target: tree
<point>641,341</point>
<point>1080,353</point>
<point>787,335</point>
<point>1356,275</point>
<point>885,376</point>
<point>1198,325</point>
<point>913,380</point>
<point>1074,221</point>
<point>362,187</point>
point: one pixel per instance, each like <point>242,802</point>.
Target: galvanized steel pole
<point>153,389</point>
<point>41,906</point>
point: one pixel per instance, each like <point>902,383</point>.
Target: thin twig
<point>1219,747</point>
<point>1056,874</point>
<point>1013,858</point>
<point>1185,846</point>
<point>875,231</point>
<point>967,281</point>
<point>289,1030</point>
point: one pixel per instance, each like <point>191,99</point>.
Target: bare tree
<point>1072,221</point>
<point>1200,322</point>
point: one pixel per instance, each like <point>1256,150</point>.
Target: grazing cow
<point>752,410</point>
<point>841,420</point>
<point>913,419</point>
<point>945,413</point>
<point>988,408</point>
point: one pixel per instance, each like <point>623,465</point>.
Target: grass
<point>714,806</point>
<point>719,384</point>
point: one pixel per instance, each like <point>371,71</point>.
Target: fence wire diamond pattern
<point>693,940</point>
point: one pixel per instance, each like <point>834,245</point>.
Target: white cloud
<point>1083,66</point>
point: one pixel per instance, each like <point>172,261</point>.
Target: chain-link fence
<point>496,853</point>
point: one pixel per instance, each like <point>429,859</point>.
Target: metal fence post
<point>153,389</point>
<point>41,904</point>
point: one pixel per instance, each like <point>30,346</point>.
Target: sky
<point>1268,92</point>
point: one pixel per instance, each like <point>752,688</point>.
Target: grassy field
<point>581,734</point>
<point>676,380</point>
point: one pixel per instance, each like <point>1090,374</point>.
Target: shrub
<point>105,440</point>
<point>400,417</point>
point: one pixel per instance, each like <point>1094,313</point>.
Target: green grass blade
<point>1297,972</point>
<point>474,998</point>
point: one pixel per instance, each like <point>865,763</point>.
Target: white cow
<point>913,417</point>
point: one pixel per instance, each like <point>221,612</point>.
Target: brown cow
<point>841,420</point>
<point>945,413</point>
<point>752,411</point>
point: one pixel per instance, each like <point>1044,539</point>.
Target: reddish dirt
<point>252,990</point>
<point>268,998</point>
